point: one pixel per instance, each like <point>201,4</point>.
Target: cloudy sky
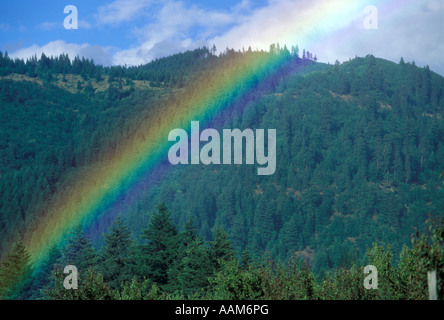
<point>134,32</point>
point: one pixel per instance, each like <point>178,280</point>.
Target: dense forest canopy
<point>359,155</point>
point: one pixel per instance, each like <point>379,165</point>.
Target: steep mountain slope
<point>359,146</point>
<point>358,161</point>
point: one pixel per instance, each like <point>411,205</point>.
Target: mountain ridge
<point>376,87</point>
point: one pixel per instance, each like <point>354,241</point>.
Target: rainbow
<point>95,193</point>
<point>97,190</point>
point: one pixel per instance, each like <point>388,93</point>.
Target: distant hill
<point>359,150</point>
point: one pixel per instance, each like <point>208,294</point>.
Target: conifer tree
<point>190,270</point>
<point>190,232</point>
<point>90,287</point>
<point>134,290</point>
<point>42,277</point>
<point>79,251</point>
<point>115,260</point>
<point>162,248</point>
<point>16,273</point>
<point>220,249</point>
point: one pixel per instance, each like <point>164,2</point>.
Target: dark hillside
<point>359,153</point>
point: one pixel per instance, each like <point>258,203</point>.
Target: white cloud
<point>121,11</point>
<point>174,28</point>
<point>83,24</point>
<point>288,22</point>
<point>244,5</point>
<point>49,25</point>
<point>146,52</point>
<point>413,30</point>
<point>331,30</point>
<point>4,27</point>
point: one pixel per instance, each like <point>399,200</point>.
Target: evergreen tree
<point>135,290</point>
<point>359,159</point>
<point>16,273</point>
<point>162,248</point>
<point>245,260</point>
<point>90,287</point>
<point>116,259</point>
<point>190,270</point>
<point>42,277</point>
<point>220,249</point>
<point>79,251</point>
<point>189,235</point>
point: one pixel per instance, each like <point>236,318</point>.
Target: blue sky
<point>134,32</point>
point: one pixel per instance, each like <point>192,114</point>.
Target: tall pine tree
<point>220,249</point>
<point>79,251</point>
<point>190,270</point>
<point>16,273</point>
<point>162,248</point>
<point>115,261</point>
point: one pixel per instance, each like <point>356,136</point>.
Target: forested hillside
<point>359,156</point>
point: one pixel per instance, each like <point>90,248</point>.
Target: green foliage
<point>79,251</point>
<point>382,259</point>
<point>15,273</point>
<point>220,249</point>
<point>42,275</point>
<point>90,287</point>
<point>161,250</point>
<point>140,291</point>
<point>430,249</point>
<point>190,277</point>
<point>116,260</point>
<point>191,269</point>
<point>344,284</point>
<point>358,145</point>
<point>232,283</point>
